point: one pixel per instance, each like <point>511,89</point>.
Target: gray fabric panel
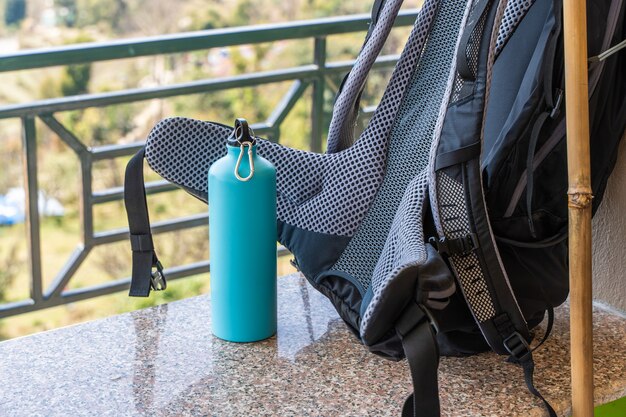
<point>509,71</point>
<point>410,146</point>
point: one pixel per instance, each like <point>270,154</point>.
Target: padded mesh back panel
<point>317,192</point>
<point>410,145</point>
<point>404,246</point>
<point>177,149</point>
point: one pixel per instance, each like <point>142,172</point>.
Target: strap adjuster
<point>157,278</point>
<point>459,246</point>
<point>517,346</point>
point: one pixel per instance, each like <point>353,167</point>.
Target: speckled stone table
<point>163,361</point>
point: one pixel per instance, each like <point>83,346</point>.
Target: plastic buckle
<point>459,246</point>
<point>157,278</point>
<point>469,243</point>
<point>517,346</point>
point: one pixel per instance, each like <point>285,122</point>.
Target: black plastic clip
<point>157,278</point>
<point>518,347</point>
<point>459,246</point>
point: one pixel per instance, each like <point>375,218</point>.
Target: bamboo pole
<point>579,205</point>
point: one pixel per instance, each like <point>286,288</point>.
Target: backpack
<point>442,229</point>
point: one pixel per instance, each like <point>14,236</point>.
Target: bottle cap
<point>241,134</point>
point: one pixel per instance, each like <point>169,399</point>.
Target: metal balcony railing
<point>313,75</point>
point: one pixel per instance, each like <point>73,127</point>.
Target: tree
<point>14,12</point>
<point>75,79</point>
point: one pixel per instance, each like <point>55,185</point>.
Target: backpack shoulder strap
<point>147,272</point>
<point>346,108</point>
<point>459,207</point>
<point>375,13</point>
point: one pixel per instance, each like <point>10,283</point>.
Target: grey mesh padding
<point>404,246</point>
<point>473,58</point>
<point>341,130</point>
<point>513,14</point>
<point>321,193</point>
<point>411,140</point>
<point>177,150</point>
<point>452,217</point>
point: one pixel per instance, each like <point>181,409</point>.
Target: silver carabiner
<point>250,160</point>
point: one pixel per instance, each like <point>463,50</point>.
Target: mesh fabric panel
<point>410,146</point>
<point>513,14</point>
<point>405,245</point>
<point>453,216</point>
<point>322,193</point>
<point>178,150</point>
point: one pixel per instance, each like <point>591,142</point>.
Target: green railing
<point>313,75</point>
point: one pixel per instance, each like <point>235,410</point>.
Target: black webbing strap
<point>144,257</point>
<point>522,354</point>
<point>456,156</point>
<point>548,328</point>
<point>462,60</point>
<point>422,353</point>
<point>529,367</point>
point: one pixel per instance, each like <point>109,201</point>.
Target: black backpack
<point>443,228</point>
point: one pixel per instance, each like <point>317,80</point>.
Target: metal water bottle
<point>242,241</point>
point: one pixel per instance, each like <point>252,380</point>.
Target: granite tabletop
<point>163,361</point>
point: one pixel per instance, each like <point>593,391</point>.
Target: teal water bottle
<point>242,241</point>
